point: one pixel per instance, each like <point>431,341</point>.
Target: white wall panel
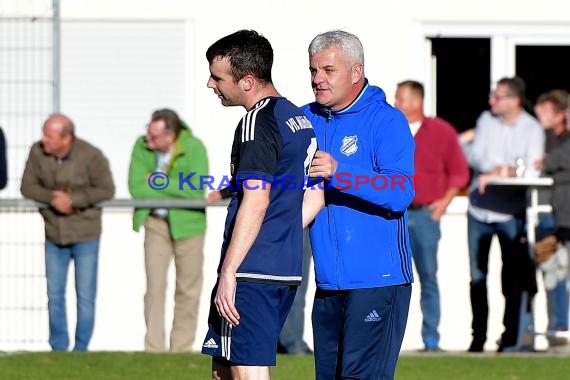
<point>113,75</point>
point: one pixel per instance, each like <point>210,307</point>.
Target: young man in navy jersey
<point>260,266</point>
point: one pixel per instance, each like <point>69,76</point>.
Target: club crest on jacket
<point>349,145</point>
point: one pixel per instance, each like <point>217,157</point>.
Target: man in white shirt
<point>505,137</point>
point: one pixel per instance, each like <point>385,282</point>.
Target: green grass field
<point>143,366</point>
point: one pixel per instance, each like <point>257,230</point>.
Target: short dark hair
<point>171,120</point>
<point>558,98</point>
<point>248,53</point>
<point>516,87</point>
<point>415,86</point>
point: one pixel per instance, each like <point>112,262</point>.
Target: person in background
<point>505,136</point>
<point>3,164</point>
<point>442,171</point>
<point>71,176</point>
<point>550,109</point>
<point>170,148</point>
<point>360,242</point>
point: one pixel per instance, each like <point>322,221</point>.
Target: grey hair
<point>348,42</point>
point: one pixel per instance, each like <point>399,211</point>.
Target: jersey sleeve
<point>260,146</point>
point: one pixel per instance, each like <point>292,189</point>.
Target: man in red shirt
<point>441,172</point>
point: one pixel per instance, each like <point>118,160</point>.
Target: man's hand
<point>437,208</point>
<point>484,180</point>
<point>248,221</point>
<point>61,201</point>
<point>323,165</point>
<point>214,196</point>
<point>499,171</point>
<point>225,297</point>
<point>539,164</point>
<point>466,137</point>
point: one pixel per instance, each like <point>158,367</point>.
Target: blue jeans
<point>291,337</point>
<point>557,299</point>
<point>517,275</point>
<point>479,236</point>
<point>85,255</point>
<point>557,305</point>
<point>424,237</point>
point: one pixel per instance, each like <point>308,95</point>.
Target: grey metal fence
<point>23,294</point>
<point>27,83</point>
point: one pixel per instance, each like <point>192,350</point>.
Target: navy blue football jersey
<point>274,142</point>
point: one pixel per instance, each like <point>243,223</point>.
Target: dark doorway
<point>463,79</point>
<point>543,68</point>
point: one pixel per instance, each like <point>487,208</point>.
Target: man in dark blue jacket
<point>360,240</point>
<point>3,165</point>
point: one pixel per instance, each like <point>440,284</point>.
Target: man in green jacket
<point>167,151</point>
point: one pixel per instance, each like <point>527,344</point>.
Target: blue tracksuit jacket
<point>360,239</point>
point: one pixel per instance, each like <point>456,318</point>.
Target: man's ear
<point>356,72</point>
<point>247,82</point>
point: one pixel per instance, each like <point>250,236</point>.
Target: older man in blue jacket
<point>360,240</point>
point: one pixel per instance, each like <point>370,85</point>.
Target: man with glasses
<point>167,149</point>
<point>505,136</point>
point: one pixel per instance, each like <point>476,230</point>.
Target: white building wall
<point>393,34</point>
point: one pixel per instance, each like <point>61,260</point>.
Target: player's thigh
<point>263,309</point>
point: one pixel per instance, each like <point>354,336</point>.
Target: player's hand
<point>323,165</point>
<point>225,298</point>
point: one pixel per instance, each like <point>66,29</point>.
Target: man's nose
<point>318,77</point>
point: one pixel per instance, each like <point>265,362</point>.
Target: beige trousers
<point>188,255</point>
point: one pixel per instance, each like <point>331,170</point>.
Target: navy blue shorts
<point>263,309</point>
<point>358,333</point>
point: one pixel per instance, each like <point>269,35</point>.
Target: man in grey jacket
<point>71,176</point>
<point>557,165</point>
<point>550,110</point>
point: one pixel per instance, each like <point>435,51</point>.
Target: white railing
<point>120,325</point>
<point>23,299</point>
